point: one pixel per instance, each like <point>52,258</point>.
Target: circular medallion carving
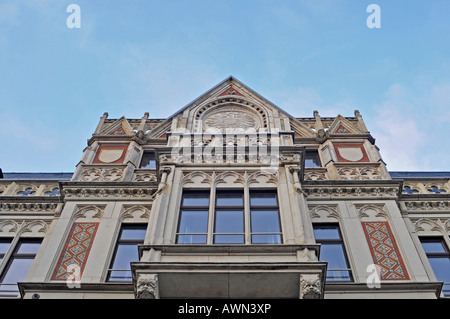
<point>230,119</point>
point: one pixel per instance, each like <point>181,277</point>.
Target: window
<point>148,160</point>
<point>312,159</point>
<point>235,219</point>
<point>332,251</point>
<point>265,223</point>
<point>4,245</point>
<point>439,256</point>
<point>18,265</point>
<point>130,236</point>
<point>229,217</point>
<point>193,223</point>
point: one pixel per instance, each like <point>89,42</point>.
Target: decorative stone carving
<point>350,191</point>
<point>147,286</point>
<point>101,174</point>
<point>427,205</point>
<point>145,177</point>
<point>310,286</point>
<point>123,192</point>
<point>359,173</point>
<point>315,175</point>
<point>230,119</point>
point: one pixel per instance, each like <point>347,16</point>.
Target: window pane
<point>326,232</point>
<point>148,160</point>
<point>193,222</point>
<point>195,199</point>
<point>191,239</point>
<point>263,199</point>
<point>441,268</point>
<point>28,247</point>
<point>265,221</point>
<point>312,159</point>
<point>338,275</point>
<point>125,254</point>
<point>137,233</point>
<point>229,239</point>
<point>120,275</point>
<point>230,199</point>
<point>266,239</point>
<point>17,270</point>
<point>4,245</point>
<point>334,255</point>
<point>435,246</point>
<point>229,221</point>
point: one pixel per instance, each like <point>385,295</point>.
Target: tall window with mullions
<point>126,251</point>
<point>18,264</point>
<point>264,217</point>
<point>332,250</point>
<point>438,255</point>
<point>229,217</point>
<point>193,220</point>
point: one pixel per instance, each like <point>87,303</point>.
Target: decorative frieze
<point>427,205</point>
<point>353,191</point>
<point>28,207</point>
<point>118,191</point>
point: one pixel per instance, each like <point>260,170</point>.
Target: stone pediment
<point>230,105</point>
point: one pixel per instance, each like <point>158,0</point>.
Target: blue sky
<point>135,56</point>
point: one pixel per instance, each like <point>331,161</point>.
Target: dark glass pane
<point>312,159</point>
<point>229,239</point>
<point>28,248</point>
<point>136,233</point>
<point>334,255</point>
<point>338,275</point>
<point>9,290</point>
<point>148,160</point>
<point>17,270</point>
<point>263,199</point>
<point>229,221</point>
<point>266,239</point>
<point>433,246</point>
<point>446,289</point>
<point>229,199</point>
<point>193,222</point>
<point>441,268</point>
<point>265,221</point>
<point>4,245</point>
<point>120,275</point>
<point>125,254</point>
<point>195,199</point>
<point>326,232</point>
<point>191,239</point>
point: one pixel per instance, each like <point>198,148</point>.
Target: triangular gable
<point>224,88</point>
<point>301,130</point>
<point>118,128</point>
<point>343,126</point>
<point>160,130</point>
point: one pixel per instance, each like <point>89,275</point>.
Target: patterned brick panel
<point>384,250</point>
<point>76,250</point>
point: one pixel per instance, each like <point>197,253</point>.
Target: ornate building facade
<point>230,197</point>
